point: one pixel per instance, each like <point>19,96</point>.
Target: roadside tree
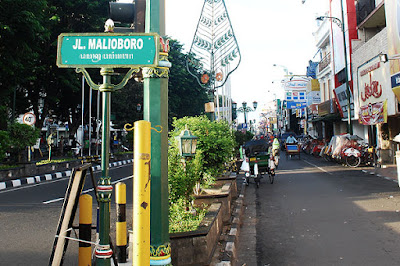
<point>21,137</point>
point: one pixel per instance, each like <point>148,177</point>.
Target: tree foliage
<point>22,33</point>
<point>28,51</point>
<point>5,143</point>
<point>186,96</point>
<point>22,136</point>
<point>125,102</point>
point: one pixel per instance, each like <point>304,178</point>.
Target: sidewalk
<point>388,172</point>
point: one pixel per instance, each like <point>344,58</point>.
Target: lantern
<point>187,143</point>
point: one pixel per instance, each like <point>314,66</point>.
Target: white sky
<point>268,32</point>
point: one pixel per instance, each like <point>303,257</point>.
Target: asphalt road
<point>29,217</point>
<point>320,213</point>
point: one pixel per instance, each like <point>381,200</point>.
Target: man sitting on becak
<point>291,139</point>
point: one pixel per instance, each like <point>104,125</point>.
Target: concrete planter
<point>222,193</point>
<point>30,169</point>
<point>229,179</point>
<point>197,247</point>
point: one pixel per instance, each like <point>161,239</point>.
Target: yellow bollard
<point>85,230</point>
<point>141,197</point>
<point>121,236</point>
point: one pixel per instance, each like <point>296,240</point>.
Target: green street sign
<point>107,50</point>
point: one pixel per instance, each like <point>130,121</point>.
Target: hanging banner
<point>373,113</point>
<point>392,8</point>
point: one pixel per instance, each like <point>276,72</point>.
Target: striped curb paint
<point>48,177</point>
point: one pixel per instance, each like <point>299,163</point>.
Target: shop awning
<point>329,117</point>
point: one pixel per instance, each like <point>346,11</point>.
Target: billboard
<point>337,36</point>
<point>392,10</point>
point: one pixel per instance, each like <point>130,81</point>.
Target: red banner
<point>373,113</point>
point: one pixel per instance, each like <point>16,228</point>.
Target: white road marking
<point>320,168</point>
<point>51,201</point>
<point>88,190</point>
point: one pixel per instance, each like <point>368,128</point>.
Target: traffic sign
<point>108,50</point>
<point>29,119</point>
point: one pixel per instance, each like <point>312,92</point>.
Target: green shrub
<point>181,220</point>
<point>183,174</point>
<point>215,146</point>
<point>7,166</point>
<point>215,140</point>
<point>54,161</point>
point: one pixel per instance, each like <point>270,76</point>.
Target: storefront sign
<point>326,108</point>
<point>296,96</point>
<point>300,84</point>
<point>370,79</point>
<point>295,105</point>
<point>373,89</point>
<point>342,100</point>
<point>313,97</point>
<point>373,113</point>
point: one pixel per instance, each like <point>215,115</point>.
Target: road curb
<point>229,254</point>
<point>381,176</point>
<point>52,176</point>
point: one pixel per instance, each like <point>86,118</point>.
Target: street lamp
<point>255,104</point>
<point>341,26</point>
<point>246,109</point>
<point>187,143</point>
<point>244,106</point>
